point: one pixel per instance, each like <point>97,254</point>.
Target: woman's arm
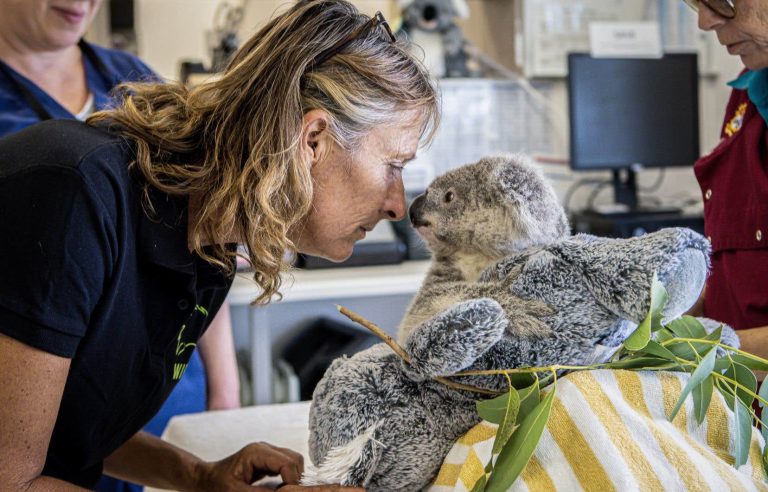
<point>31,386</point>
<point>217,351</point>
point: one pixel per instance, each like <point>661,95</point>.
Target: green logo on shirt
<point>181,346</point>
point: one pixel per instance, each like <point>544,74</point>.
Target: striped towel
<point>608,430</point>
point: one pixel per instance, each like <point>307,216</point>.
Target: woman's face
<point>746,35</point>
<point>49,24</point>
<point>354,191</point>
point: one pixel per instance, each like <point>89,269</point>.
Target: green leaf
<point>744,377</point>
<point>495,409</point>
<point>702,396</point>
<point>529,398</point>
<point>652,322</point>
<point>763,393</point>
<point>642,362</point>
<point>520,448</point>
<point>684,350</point>
<point>654,348</point>
<point>522,379</point>
<point>700,374</point>
<point>687,327</point>
<point>663,335</point>
<point>507,426</point>
<point>742,433</point>
<point>640,337</point>
<point>658,301</point>
<point>480,484</point>
<point>754,364</point>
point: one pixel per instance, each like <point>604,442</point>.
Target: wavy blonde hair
<point>235,140</point>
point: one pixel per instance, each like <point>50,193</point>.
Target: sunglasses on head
<point>375,21</point>
<point>723,8</point>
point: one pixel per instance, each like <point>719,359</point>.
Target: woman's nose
<point>394,207</point>
<point>708,18</point>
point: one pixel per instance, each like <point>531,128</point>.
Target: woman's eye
<point>449,196</point>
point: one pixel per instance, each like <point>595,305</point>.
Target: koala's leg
<point>454,339</point>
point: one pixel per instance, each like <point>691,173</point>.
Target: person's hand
<point>253,462</point>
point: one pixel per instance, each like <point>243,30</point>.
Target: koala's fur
<point>386,425</point>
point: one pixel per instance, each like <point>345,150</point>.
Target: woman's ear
<point>314,135</point>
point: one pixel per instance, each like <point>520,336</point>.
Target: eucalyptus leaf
<point>522,379</point>
<point>745,378</point>
<point>687,327</point>
<point>530,397</point>
<point>521,445</point>
<point>641,336</point>
<point>507,426</point>
<point>480,484</point>
<point>684,350</point>
<point>742,433</point>
<point>663,335</point>
<point>642,362</point>
<point>750,362</point>
<point>763,393</point>
<point>654,348</point>
<point>493,410</point>
<point>702,396</point>
<point>700,374</point>
<point>658,301</point>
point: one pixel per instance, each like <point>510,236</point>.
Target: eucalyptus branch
<point>711,342</point>
<point>400,351</point>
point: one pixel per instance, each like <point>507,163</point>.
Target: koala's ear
<point>619,272</point>
<point>531,197</point>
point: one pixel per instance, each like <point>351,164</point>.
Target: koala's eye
<point>449,196</point>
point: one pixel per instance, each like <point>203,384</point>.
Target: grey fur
<point>551,299</point>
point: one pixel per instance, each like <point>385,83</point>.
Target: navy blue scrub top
<point>109,68</point>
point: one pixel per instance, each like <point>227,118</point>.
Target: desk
<point>331,285</point>
<point>216,435</point>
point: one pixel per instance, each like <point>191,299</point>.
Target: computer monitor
<point>630,113</point>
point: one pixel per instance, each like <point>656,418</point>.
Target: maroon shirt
<point>734,184</point>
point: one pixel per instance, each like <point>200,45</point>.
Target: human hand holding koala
<point>508,287</point>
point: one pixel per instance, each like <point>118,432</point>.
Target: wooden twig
<point>404,355</point>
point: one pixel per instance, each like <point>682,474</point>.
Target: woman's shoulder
<point>126,66</point>
<point>62,143</point>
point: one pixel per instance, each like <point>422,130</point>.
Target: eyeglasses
<point>375,21</point>
<point>723,8</point>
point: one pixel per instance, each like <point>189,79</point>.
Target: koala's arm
<point>619,272</point>
<point>452,340</point>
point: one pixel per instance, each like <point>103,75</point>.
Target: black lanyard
<point>36,105</point>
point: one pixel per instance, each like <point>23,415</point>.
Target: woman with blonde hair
<point>118,236</point>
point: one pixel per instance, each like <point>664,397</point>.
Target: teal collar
<point>756,85</point>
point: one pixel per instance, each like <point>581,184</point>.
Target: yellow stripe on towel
<point>632,388</point>
<point>633,455</point>
<point>587,468</point>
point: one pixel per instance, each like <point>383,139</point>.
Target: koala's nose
<point>415,211</point>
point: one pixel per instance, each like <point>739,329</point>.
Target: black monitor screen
<point>633,111</point>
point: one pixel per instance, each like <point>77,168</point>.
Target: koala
<point>508,287</point>
<point>471,218</point>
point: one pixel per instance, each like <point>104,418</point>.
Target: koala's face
<point>493,207</point>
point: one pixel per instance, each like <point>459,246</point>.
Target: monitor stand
<point>625,198</point>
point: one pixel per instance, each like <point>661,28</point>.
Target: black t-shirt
<point>86,273</point>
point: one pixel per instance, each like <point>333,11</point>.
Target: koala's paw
<point>452,340</point>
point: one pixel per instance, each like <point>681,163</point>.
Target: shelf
<point>337,283</point>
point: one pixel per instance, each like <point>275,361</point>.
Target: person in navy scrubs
<point>734,177</point>
<point>47,71</point>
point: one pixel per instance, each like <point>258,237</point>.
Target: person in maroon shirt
<point>734,177</point>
